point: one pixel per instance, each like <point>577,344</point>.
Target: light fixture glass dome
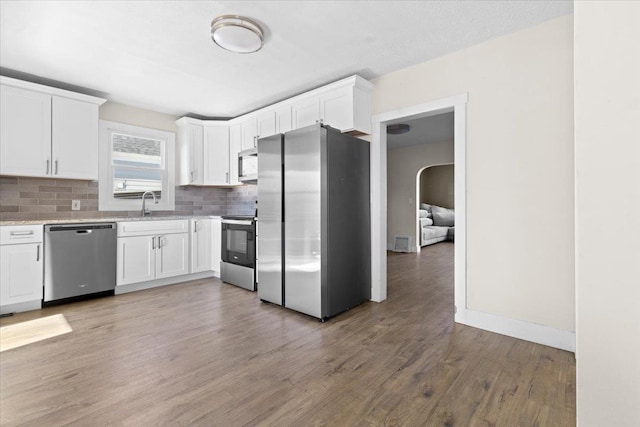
<point>237,34</point>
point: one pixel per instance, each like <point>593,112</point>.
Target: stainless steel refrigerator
<point>313,245</point>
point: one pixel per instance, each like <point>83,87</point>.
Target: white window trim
<point>106,201</point>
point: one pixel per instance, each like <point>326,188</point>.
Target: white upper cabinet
<point>346,108</point>
<point>257,126</point>
<point>47,132</point>
<point>25,132</point>
<point>283,119</point>
<point>216,154</point>
<point>266,124</point>
<point>190,154</point>
<point>336,108</point>
<point>203,152</point>
<point>344,105</point>
<point>305,112</point>
<point>249,133</point>
<point>74,139</point>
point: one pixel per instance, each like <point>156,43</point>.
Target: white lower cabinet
<point>206,238</point>
<point>150,250</point>
<point>216,244</point>
<point>172,255</point>
<point>20,268</point>
<point>136,259</point>
<point>201,239</point>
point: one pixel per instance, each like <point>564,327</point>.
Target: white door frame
<point>458,105</point>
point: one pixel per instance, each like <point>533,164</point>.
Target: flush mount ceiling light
<point>237,34</point>
<point>398,129</point>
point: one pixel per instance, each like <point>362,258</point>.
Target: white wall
<point>403,165</point>
<point>520,226</point>
<point>607,146</point>
<point>127,114</point>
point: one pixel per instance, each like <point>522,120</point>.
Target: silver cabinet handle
<point>191,176</point>
<point>21,233</point>
<point>226,177</point>
<point>38,253</point>
<point>47,172</point>
<point>56,163</point>
<point>195,226</point>
<point>153,243</point>
<point>159,242</point>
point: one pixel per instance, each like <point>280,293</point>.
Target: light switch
<point>75,205</point>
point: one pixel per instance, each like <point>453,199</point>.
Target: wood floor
<point>206,353</point>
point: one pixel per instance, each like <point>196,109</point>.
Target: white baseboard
<point>123,289</point>
<point>541,334</point>
<point>21,306</point>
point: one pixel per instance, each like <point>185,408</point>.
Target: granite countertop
<point>94,220</point>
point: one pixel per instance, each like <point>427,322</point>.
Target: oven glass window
<point>237,241</point>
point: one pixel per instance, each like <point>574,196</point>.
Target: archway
<point>419,200</point>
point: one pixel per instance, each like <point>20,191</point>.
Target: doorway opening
<point>379,181</point>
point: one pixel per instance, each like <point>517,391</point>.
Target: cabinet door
<point>74,139</point>
<point>136,259</point>
<point>235,146</point>
<point>20,273</point>
<point>283,119</point>
<point>216,244</point>
<point>305,112</point>
<point>190,154</point>
<point>216,155</point>
<point>266,124</point>
<point>249,133</point>
<point>200,245</point>
<point>336,108</point>
<point>172,255</point>
<point>196,154</point>
<point>25,132</point>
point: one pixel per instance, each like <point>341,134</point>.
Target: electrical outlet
<point>75,205</point>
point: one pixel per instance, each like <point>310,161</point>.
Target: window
<point>134,160</point>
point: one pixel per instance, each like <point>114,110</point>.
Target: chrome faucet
<point>144,212</point>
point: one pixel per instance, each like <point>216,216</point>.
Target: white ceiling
<point>159,54</point>
<point>438,128</point>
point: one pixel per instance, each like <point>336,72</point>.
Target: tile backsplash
<point>44,199</point>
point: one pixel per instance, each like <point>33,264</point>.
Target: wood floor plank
<point>207,353</point>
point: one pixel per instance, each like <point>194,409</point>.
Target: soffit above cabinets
<point>159,55</point>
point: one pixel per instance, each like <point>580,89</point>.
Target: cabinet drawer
<point>18,234</point>
<point>151,227</point>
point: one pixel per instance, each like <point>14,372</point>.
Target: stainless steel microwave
<point>248,166</point>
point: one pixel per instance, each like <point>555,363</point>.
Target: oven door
<point>238,242</point>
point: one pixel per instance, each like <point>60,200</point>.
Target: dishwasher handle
<point>80,228</point>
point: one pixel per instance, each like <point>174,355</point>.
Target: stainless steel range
<point>239,251</point>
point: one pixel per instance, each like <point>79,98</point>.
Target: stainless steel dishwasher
<point>79,259</point>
